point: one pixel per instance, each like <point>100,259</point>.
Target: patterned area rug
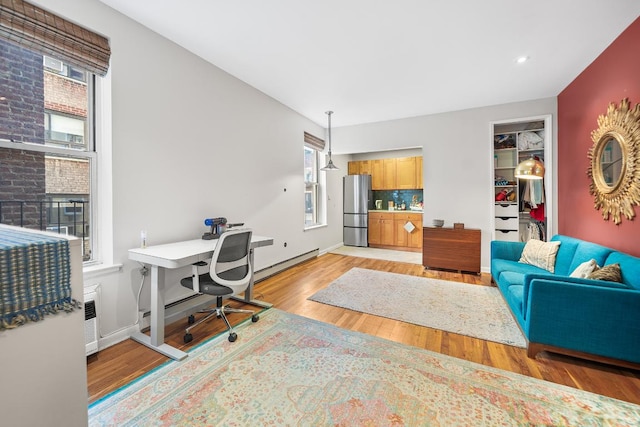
<point>290,370</point>
<point>461,308</point>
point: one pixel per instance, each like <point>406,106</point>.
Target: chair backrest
<point>231,265</point>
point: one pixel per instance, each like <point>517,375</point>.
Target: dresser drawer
<point>506,223</point>
<point>506,210</point>
<point>508,236</point>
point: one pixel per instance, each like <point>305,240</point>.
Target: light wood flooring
<point>117,365</point>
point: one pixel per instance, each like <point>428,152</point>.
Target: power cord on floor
<point>144,270</point>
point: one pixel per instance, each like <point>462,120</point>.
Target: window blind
<point>313,142</point>
<point>48,34</point>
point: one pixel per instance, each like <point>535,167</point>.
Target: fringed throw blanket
<point>34,277</point>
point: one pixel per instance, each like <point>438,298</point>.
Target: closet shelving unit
<point>512,142</point>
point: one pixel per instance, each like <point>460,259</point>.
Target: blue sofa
<point>592,319</point>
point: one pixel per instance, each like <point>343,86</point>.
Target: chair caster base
<point>191,320</point>
<point>188,338</point>
<point>233,336</point>
<point>255,318</point>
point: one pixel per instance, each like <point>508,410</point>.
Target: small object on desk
<point>458,225</point>
<point>438,222</point>
<point>218,226</point>
<point>143,239</point>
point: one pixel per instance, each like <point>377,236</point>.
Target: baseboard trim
<point>182,308</point>
<point>283,265</point>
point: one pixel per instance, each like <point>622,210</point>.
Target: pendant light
<point>530,169</point>
<point>330,166</point>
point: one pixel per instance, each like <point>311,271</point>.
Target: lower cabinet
<point>408,230</point>
<point>381,229</point>
<point>392,229</point>
<point>452,249</point>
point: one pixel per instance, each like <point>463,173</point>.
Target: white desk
<point>176,255</point>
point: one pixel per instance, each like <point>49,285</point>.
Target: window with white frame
<point>313,146</point>
<point>47,124</point>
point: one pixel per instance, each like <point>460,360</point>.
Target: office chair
<point>229,274</point>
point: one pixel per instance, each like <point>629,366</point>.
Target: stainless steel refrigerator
<point>356,197</point>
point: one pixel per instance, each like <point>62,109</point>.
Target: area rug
<point>461,308</point>
<point>289,370</point>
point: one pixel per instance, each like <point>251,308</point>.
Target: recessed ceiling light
<point>522,59</point>
<point>3,98</point>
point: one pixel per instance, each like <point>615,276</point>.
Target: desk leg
<point>155,340</point>
<point>248,293</point>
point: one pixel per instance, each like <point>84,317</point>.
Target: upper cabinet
<point>390,174</point>
<point>406,173</point>
<point>522,207</point>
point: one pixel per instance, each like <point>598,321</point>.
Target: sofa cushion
<point>574,252</point>
<point>629,268</point>
<point>586,251</point>
<point>541,254</point>
<point>500,266</point>
<point>609,273</point>
<point>565,253</point>
<point>585,269</point>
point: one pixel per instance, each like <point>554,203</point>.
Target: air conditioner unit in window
<point>90,322</point>
<point>53,64</point>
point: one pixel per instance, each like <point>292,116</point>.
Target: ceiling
<point>372,60</point>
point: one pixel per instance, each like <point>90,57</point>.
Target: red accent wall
<point>613,76</point>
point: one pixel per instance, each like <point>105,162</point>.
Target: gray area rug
<point>461,308</point>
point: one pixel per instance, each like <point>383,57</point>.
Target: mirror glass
<point>611,162</point>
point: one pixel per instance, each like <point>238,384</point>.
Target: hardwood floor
<point>119,364</point>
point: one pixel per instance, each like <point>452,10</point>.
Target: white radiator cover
<point>91,322</point>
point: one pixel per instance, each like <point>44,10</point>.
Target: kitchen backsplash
<point>396,196</point>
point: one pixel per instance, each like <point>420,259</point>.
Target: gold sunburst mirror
<point>614,167</point>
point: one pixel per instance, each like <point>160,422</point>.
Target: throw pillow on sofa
<point>609,272</point>
<point>541,254</point>
<point>585,269</point>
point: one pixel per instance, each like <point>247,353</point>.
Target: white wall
<point>456,150</point>
<point>192,142</point>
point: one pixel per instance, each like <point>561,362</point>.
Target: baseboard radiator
<point>90,322</point>
<point>180,309</point>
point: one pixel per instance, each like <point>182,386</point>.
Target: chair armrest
<point>598,319</point>
<point>511,251</point>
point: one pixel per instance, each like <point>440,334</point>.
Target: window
<point>313,189</point>
<point>46,145</point>
<point>49,69</point>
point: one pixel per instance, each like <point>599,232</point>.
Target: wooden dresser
<point>451,249</point>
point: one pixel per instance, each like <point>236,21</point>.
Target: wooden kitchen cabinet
<point>451,249</point>
<point>381,228</point>
<point>406,173</point>
<point>365,167</point>
<point>359,167</point>
<point>389,178</point>
<point>390,174</point>
<point>353,168</point>
<point>404,238</point>
<point>377,175</point>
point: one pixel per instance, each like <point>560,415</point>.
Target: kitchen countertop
<point>395,211</point>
